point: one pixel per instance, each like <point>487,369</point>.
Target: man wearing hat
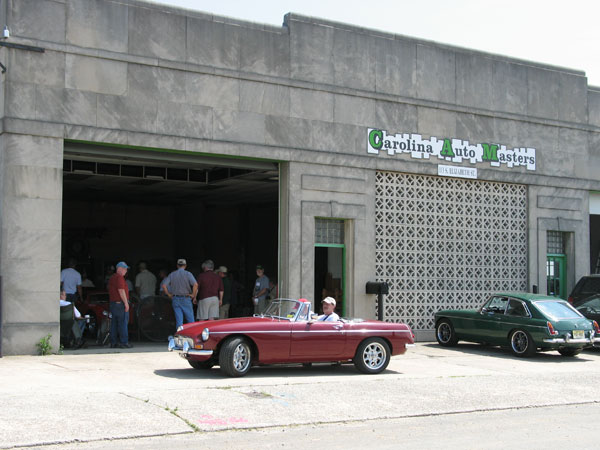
<point>329,315</point>
<point>181,287</point>
<point>261,288</point>
<point>118,294</point>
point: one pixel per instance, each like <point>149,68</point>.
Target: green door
<point>556,275</point>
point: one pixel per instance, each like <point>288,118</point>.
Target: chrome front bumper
<point>185,349</point>
<point>567,340</point>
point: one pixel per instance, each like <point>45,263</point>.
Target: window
<point>516,308</point>
<point>329,231</point>
<point>497,304</point>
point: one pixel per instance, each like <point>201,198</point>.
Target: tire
<point>202,365</point>
<point>521,343</point>
<point>570,351</point>
<point>372,356</point>
<point>444,333</point>
<point>235,357</point>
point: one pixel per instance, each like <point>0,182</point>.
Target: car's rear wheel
<point>235,357</point>
<point>202,365</point>
<point>521,343</point>
<point>569,351</point>
<point>372,356</point>
<point>444,333</point>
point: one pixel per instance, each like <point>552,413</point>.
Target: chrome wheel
<point>241,357</point>
<point>235,357</point>
<point>521,343</point>
<point>372,356</point>
<point>444,333</point>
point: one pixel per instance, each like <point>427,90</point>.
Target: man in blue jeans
<point>118,294</point>
<point>181,287</point>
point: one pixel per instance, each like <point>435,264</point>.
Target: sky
<point>563,33</point>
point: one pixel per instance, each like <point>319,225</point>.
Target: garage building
<point>331,154</point>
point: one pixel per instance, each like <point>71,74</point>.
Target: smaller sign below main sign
<point>455,171</point>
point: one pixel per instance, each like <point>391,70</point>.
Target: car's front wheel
<point>569,351</point>
<point>372,356</point>
<point>202,365</point>
<point>444,333</point>
<point>521,343</point>
<point>235,357</point>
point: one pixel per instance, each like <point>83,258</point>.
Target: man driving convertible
<point>328,315</point>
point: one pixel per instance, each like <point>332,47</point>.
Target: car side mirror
<point>484,310</point>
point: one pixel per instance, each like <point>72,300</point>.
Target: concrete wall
<point>133,73</point>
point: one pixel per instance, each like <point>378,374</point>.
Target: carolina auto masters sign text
<point>453,150</point>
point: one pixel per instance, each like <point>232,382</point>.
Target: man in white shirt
<point>328,315</point>
<point>145,282</point>
<point>78,323</point>
<point>71,281</point>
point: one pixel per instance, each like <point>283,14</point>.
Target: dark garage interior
<point>132,205</point>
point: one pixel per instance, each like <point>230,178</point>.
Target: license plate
<point>578,334</point>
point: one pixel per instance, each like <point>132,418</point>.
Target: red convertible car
<point>285,333</point>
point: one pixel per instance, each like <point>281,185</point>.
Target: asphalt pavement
<point>146,397</point>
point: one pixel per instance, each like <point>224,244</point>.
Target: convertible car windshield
<point>287,309</point>
<point>557,310</point>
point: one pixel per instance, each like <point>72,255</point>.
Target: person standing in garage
<point>261,288</point>
<point>118,294</point>
<point>181,287</point>
<point>145,282</point>
<point>210,292</point>
<point>71,281</point>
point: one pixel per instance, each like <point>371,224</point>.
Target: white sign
<point>451,150</point>
<point>458,172</point>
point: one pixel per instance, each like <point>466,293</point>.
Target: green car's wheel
<point>372,356</point>
<point>444,333</point>
<point>235,357</point>
<point>202,365</point>
<point>521,343</point>
<point>569,351</point>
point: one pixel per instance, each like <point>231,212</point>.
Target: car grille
<point>179,340</point>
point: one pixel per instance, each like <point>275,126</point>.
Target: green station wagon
<point>523,322</point>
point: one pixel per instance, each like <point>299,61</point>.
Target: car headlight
<point>205,334</point>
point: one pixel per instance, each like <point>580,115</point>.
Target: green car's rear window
<point>557,310</point>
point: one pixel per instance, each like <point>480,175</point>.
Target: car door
<point>487,325</point>
<point>516,316</point>
<point>317,339</point>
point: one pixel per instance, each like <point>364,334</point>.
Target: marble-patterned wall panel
<point>436,74</point>
<point>20,100</point>
<point>288,132</point>
<point>311,104</point>
<point>176,119</point>
<point>32,151</point>
<point>474,80</point>
<point>32,213</point>
<point>436,122</point>
<point>311,52</point>
<point>33,182</point>
<point>594,107</point>
<point>103,76</point>
<point>21,338</point>
<point>46,68</point>
<point>33,307</point>
<point>396,117</point>
<point>353,60</point>
<point>572,141</point>
<point>98,24</point>
<point>337,138</point>
<point>127,113</point>
<point>210,90</point>
<point>509,87</point>
<point>156,82</point>
<point>396,67</point>
<point>157,34</point>
<point>542,93</point>
<point>474,128</point>
<point>354,110</point>
<point>333,184</point>
<point>238,126</point>
<point>573,97</point>
<point>37,20</point>
<point>65,106</point>
<point>265,52</point>
<point>265,98</point>
<point>213,43</point>
<point>25,243</point>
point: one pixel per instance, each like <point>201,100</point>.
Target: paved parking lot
<point>103,398</point>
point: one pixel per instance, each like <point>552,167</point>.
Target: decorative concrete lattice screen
<point>447,243</point>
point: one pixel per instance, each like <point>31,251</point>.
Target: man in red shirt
<point>118,294</point>
<point>210,292</point>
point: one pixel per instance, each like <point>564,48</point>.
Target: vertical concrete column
<point>30,240</point>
